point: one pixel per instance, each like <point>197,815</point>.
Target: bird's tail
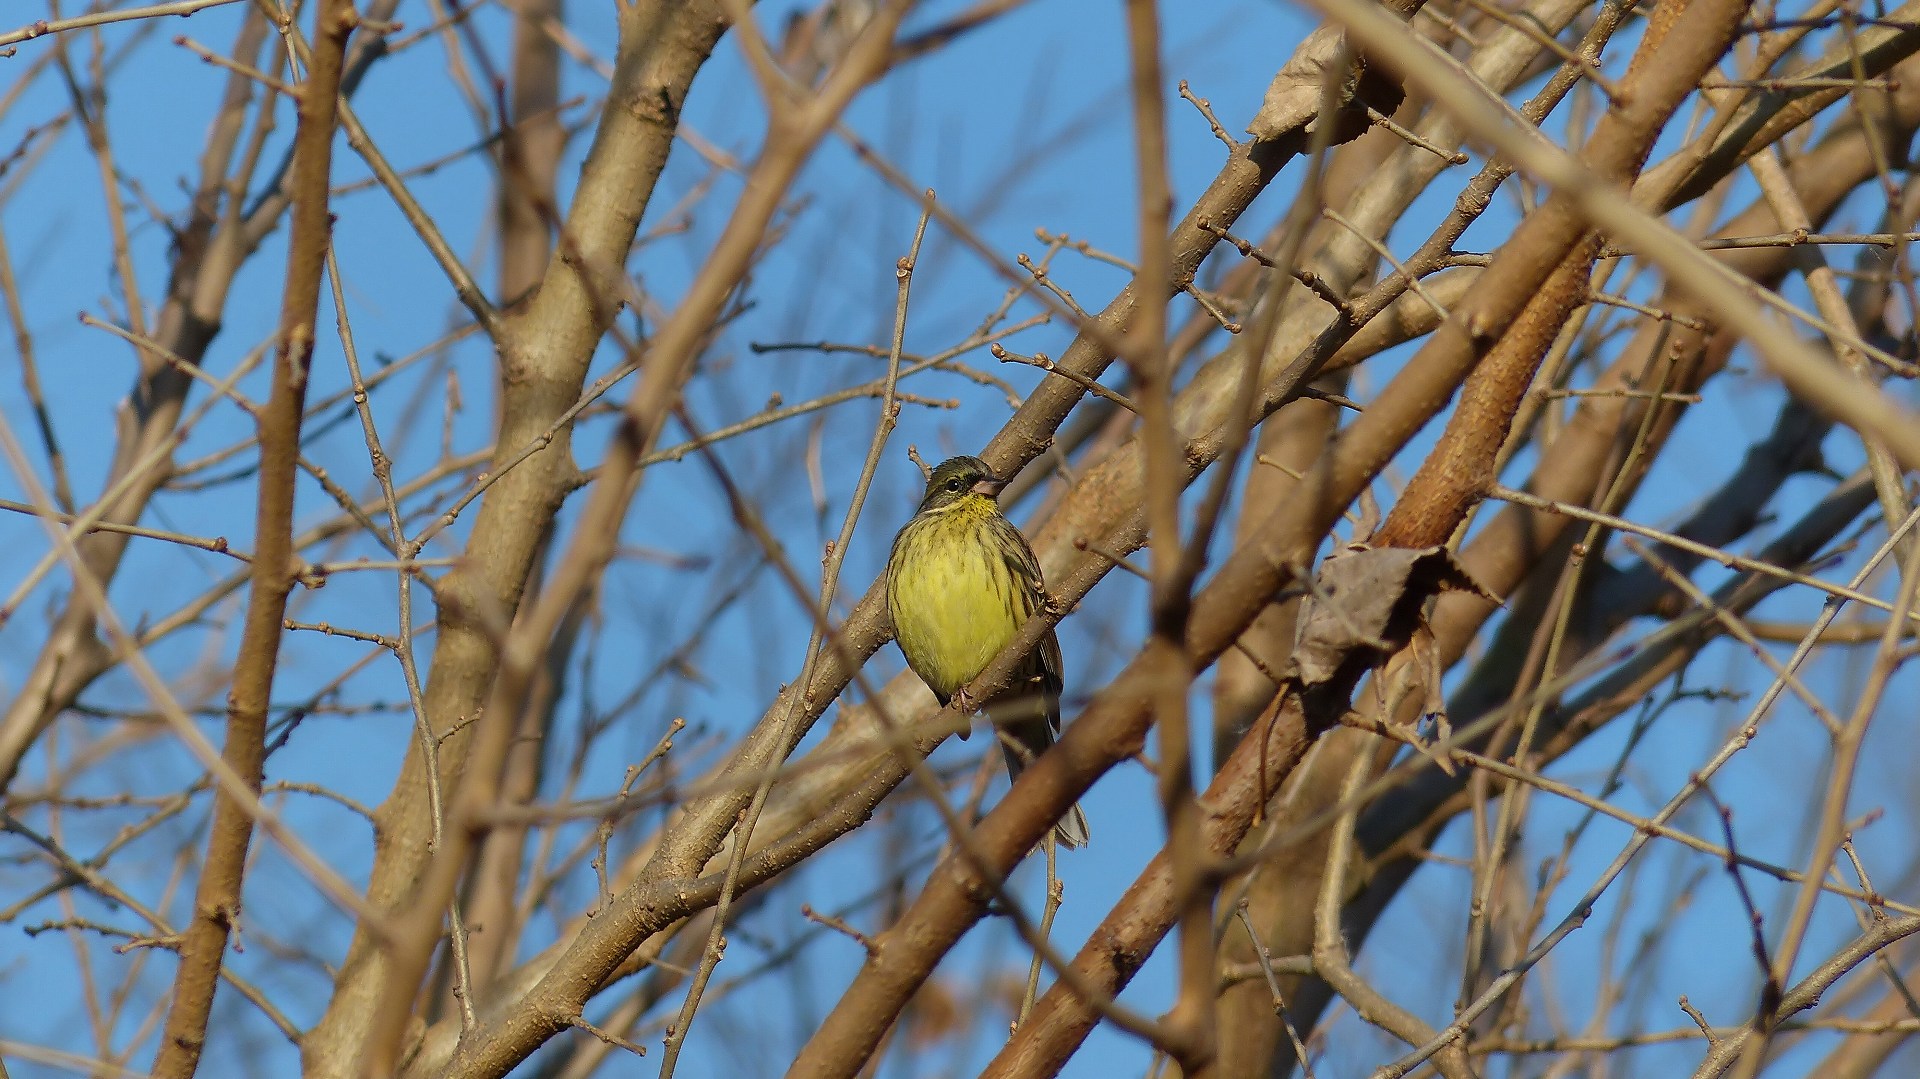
<point>1071,831</point>
<point>1018,744</point>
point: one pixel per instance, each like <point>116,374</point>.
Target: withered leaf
<point>1293,100</point>
<point>1366,604</point>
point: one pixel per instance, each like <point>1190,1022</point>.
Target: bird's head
<point>958,478</point>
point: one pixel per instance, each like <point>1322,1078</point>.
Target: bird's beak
<point>989,486</point>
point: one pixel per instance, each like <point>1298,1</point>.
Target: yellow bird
<point>961,581</point>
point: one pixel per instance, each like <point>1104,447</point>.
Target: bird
<point>961,581</point>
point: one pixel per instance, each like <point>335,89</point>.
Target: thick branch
<point>216,905</point>
<point>545,349</point>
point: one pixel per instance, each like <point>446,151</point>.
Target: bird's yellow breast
<point>954,601</point>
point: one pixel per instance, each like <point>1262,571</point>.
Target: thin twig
<point>101,18</point>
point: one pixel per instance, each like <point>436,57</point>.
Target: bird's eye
<point>953,484</point>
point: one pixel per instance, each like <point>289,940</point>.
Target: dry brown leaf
<point>1293,100</point>
<point>1365,605</point>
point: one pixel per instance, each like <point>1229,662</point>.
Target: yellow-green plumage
<point>961,582</point>
<point>955,603</point>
